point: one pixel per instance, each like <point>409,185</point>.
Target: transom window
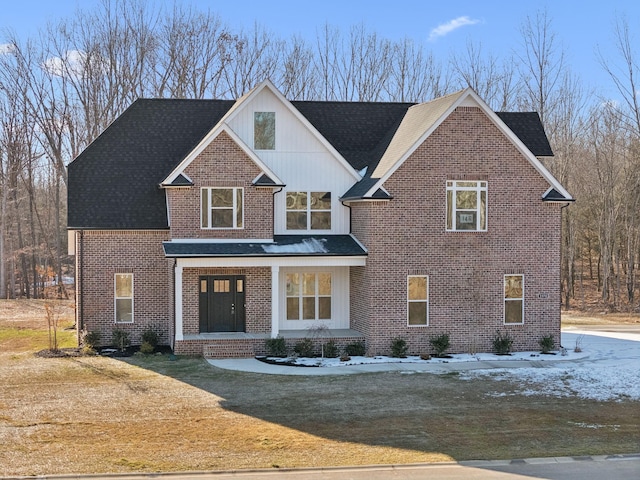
<point>123,298</point>
<point>308,210</point>
<point>513,299</point>
<point>418,300</point>
<point>222,207</point>
<point>264,130</point>
<point>466,205</point>
<point>308,296</point>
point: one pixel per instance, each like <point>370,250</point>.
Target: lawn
<point>152,413</point>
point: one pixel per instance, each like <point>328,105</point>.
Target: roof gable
<point>423,119</point>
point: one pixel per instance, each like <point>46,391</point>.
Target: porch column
<point>178,301</point>
<point>275,300</point>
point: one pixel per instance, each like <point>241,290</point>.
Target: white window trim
<point>316,296</point>
<point>234,208</point>
<point>478,189</point>
<point>505,300</point>
<point>116,298</point>
<point>418,301</point>
<point>308,211</point>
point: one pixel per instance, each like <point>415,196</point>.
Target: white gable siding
<point>300,159</point>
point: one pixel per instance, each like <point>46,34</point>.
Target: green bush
<point>547,344</point>
<point>440,344</point>
<point>330,349</point>
<point>276,347</point>
<point>305,348</point>
<point>355,349</point>
<point>399,348</point>
<point>90,340</point>
<point>502,343</point>
<point>146,348</point>
<point>150,336</point>
<point>120,339</point>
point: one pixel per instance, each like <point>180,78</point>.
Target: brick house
<point>224,223</point>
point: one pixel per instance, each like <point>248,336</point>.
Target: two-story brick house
<point>224,223</point>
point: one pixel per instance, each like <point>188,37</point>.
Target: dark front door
<point>221,303</point>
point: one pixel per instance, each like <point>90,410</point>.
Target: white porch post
<point>275,300</point>
<point>178,301</point>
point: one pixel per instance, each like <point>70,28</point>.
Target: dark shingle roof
<point>114,183</point>
<point>528,128</point>
<point>282,245</point>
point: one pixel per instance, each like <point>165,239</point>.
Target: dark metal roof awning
<point>554,195</point>
<point>282,246</point>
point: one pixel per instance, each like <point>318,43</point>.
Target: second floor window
<point>308,210</point>
<point>264,130</point>
<point>222,208</point>
<point>466,205</point>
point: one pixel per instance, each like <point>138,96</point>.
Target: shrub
<point>90,340</point>
<point>276,347</point>
<point>399,348</point>
<point>502,343</point>
<point>305,348</point>
<point>330,349</point>
<point>120,339</point>
<point>440,344</point>
<point>150,336</point>
<point>547,343</point>
<point>355,349</point>
<point>146,348</point>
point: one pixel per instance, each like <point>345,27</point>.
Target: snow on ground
<point>610,371</point>
<point>607,368</point>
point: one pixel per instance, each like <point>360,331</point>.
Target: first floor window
<point>418,300</point>
<point>222,207</point>
<point>308,210</point>
<point>123,297</point>
<point>308,296</point>
<point>513,299</point>
<point>466,205</point>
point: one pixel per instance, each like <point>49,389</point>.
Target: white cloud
<point>450,26</point>
<point>7,48</point>
<point>73,64</point>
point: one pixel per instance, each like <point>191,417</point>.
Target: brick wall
<point>105,253</point>
<point>465,268</point>
<point>221,164</point>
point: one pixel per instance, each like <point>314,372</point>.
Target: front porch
<point>246,345</point>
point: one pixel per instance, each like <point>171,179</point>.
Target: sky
<point>581,27</point>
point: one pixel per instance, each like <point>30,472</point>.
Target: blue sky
<point>442,26</point>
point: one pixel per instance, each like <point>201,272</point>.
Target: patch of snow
<point>307,245</point>
<point>607,368</point>
<point>611,371</point>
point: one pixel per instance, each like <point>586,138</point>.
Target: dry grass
<point>94,414</point>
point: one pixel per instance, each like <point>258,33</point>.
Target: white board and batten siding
<point>339,299</point>
<point>300,160</point>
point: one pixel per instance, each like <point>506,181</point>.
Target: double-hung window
<point>513,299</point>
<point>418,300</point>
<point>123,298</point>
<point>308,296</point>
<point>308,210</point>
<point>466,205</point>
<point>222,207</point>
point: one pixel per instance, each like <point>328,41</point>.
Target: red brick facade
<point>465,269</point>
<point>404,236</point>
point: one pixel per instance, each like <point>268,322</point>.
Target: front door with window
<point>222,305</point>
